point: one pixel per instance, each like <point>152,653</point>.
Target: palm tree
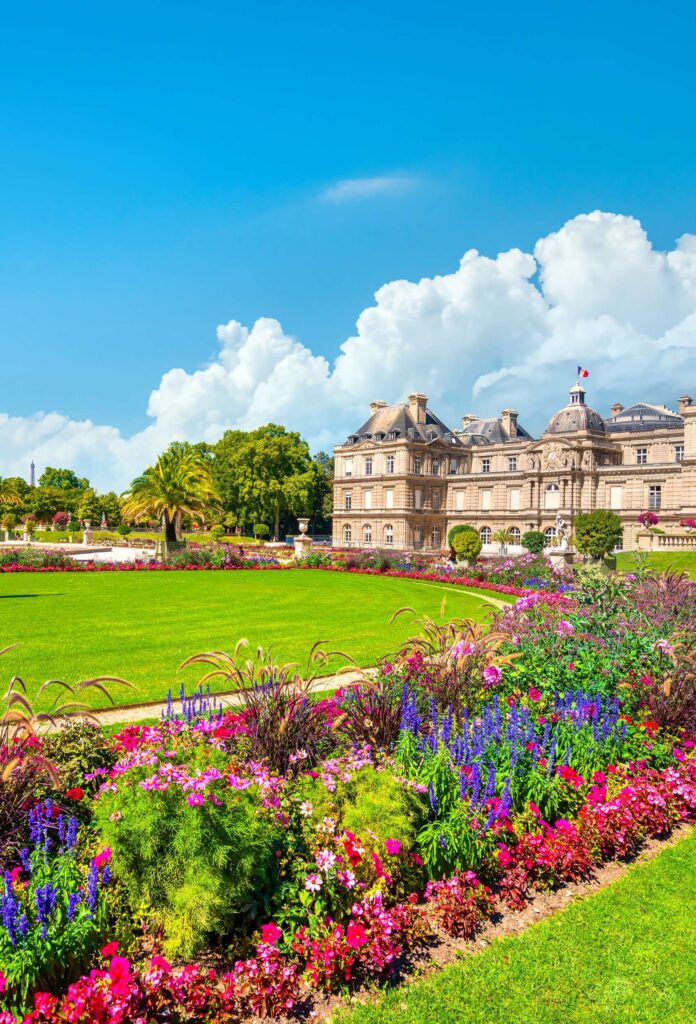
<point>9,495</point>
<point>178,484</point>
<point>503,537</point>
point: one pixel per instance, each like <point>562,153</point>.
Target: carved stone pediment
<point>552,455</point>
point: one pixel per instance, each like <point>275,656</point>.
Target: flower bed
<point>312,846</point>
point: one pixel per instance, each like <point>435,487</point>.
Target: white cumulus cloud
<point>494,332</point>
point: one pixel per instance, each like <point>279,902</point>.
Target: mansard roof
<point>643,416</point>
<point>398,420</point>
<point>491,431</point>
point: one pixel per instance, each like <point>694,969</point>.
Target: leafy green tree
<point>66,479</point>
<point>44,502</point>
<point>467,546</point>
<point>178,485</point>
<point>9,494</point>
<point>533,541</point>
<point>597,533</point>
<point>90,507</point>
<point>455,532</point>
<point>110,506</point>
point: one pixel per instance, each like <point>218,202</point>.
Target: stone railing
<point>649,541</point>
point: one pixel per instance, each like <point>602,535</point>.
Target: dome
<point>576,416</point>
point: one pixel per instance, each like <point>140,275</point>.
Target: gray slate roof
<point>642,416</point>
<point>398,419</point>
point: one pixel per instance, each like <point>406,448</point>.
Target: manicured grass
<point>685,561</point>
<point>141,626</point>
<point>626,955</point>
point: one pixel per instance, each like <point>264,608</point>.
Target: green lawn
<point>661,560</point>
<point>626,955</point>
<point>141,626</point>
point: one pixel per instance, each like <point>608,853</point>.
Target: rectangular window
<point>485,465</point>
<point>437,500</point>
<point>654,497</point>
<point>348,500</point>
<point>486,500</point>
<point>515,497</point>
<point>417,498</point>
<point>389,497</point>
<point>459,501</point>
<point>418,465</point>
<point>367,499</point>
<point>512,463</point>
<point>435,467</point>
<point>454,466</point>
<point>390,463</point>
<point>348,467</point>
<point>679,453</point>
<point>641,456</point>
<point>368,466</point>
<point>616,498</point>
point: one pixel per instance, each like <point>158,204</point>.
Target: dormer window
<point>392,435</point>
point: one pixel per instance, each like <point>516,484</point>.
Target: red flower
<point>356,935</point>
<point>270,933</point>
<point>110,949</point>
<point>76,793</point>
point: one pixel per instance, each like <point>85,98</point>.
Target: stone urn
<point>87,532</point>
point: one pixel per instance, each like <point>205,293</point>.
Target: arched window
<point>389,534</point>
<point>516,535</point>
<point>436,537</point>
<point>367,535</point>
<point>552,496</point>
<point>486,534</point>
<point>347,534</point>
<point>550,535</point>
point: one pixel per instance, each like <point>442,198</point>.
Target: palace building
<point>403,479</point>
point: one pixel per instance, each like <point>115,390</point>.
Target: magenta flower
<point>313,883</point>
<point>492,675</point>
<point>393,847</point>
<point>270,933</point>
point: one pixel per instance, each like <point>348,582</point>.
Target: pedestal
<point>303,546</point>
<point>560,558</point>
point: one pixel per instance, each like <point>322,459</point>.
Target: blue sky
<point>168,167</point>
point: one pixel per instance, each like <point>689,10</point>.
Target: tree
<point>455,532</point>
<point>179,484</point>
<point>90,507</point>
<point>503,536</point>
<point>66,479</point>
<point>467,545</point>
<point>533,541</point>
<point>110,507</point>
<point>9,493</point>
<point>44,502</point>
<point>597,533</point>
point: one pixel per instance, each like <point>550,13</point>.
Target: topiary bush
<point>467,546</point>
<point>217,532</point>
<point>597,533</point>
<point>456,531</point>
<point>261,530</point>
<point>533,540</point>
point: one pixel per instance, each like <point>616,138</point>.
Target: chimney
<point>417,404</point>
<point>376,406</point>
<point>509,418</point>
<point>684,403</point>
<point>616,408</point>
<point>468,419</point>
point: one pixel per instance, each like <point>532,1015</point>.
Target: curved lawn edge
<point>614,949</point>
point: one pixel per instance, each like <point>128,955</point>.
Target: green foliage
<point>533,540</point>
<point>261,530</point>
<point>373,805</point>
<point>90,507</point>
<point>598,532</point>
<point>217,532</point>
<point>66,479</point>
<point>457,530</point>
<point>467,545</point>
<point>76,749</point>
<point>123,529</point>
<point>191,870</point>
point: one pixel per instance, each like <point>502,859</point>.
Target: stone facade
<point>403,479</point>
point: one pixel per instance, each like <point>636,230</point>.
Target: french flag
<point>582,372</point>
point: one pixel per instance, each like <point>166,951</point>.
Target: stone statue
<point>562,531</point>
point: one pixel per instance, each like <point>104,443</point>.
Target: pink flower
<point>3,983</point>
<point>110,949</point>
<point>356,935</point>
<point>313,883</point>
<point>270,933</point>
<point>678,754</point>
<point>533,693</point>
<point>160,964</point>
<point>492,675</point>
<point>571,666</point>
<point>103,857</point>
<point>565,628</point>
<point>393,847</point>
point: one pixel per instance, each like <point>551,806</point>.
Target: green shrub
<point>467,546</point>
<point>598,532</point>
<point>77,749</point>
<point>123,529</point>
<point>456,531</point>
<point>533,540</point>
<point>261,530</point>
<point>192,870</point>
<point>217,532</point>
<point>371,804</point>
